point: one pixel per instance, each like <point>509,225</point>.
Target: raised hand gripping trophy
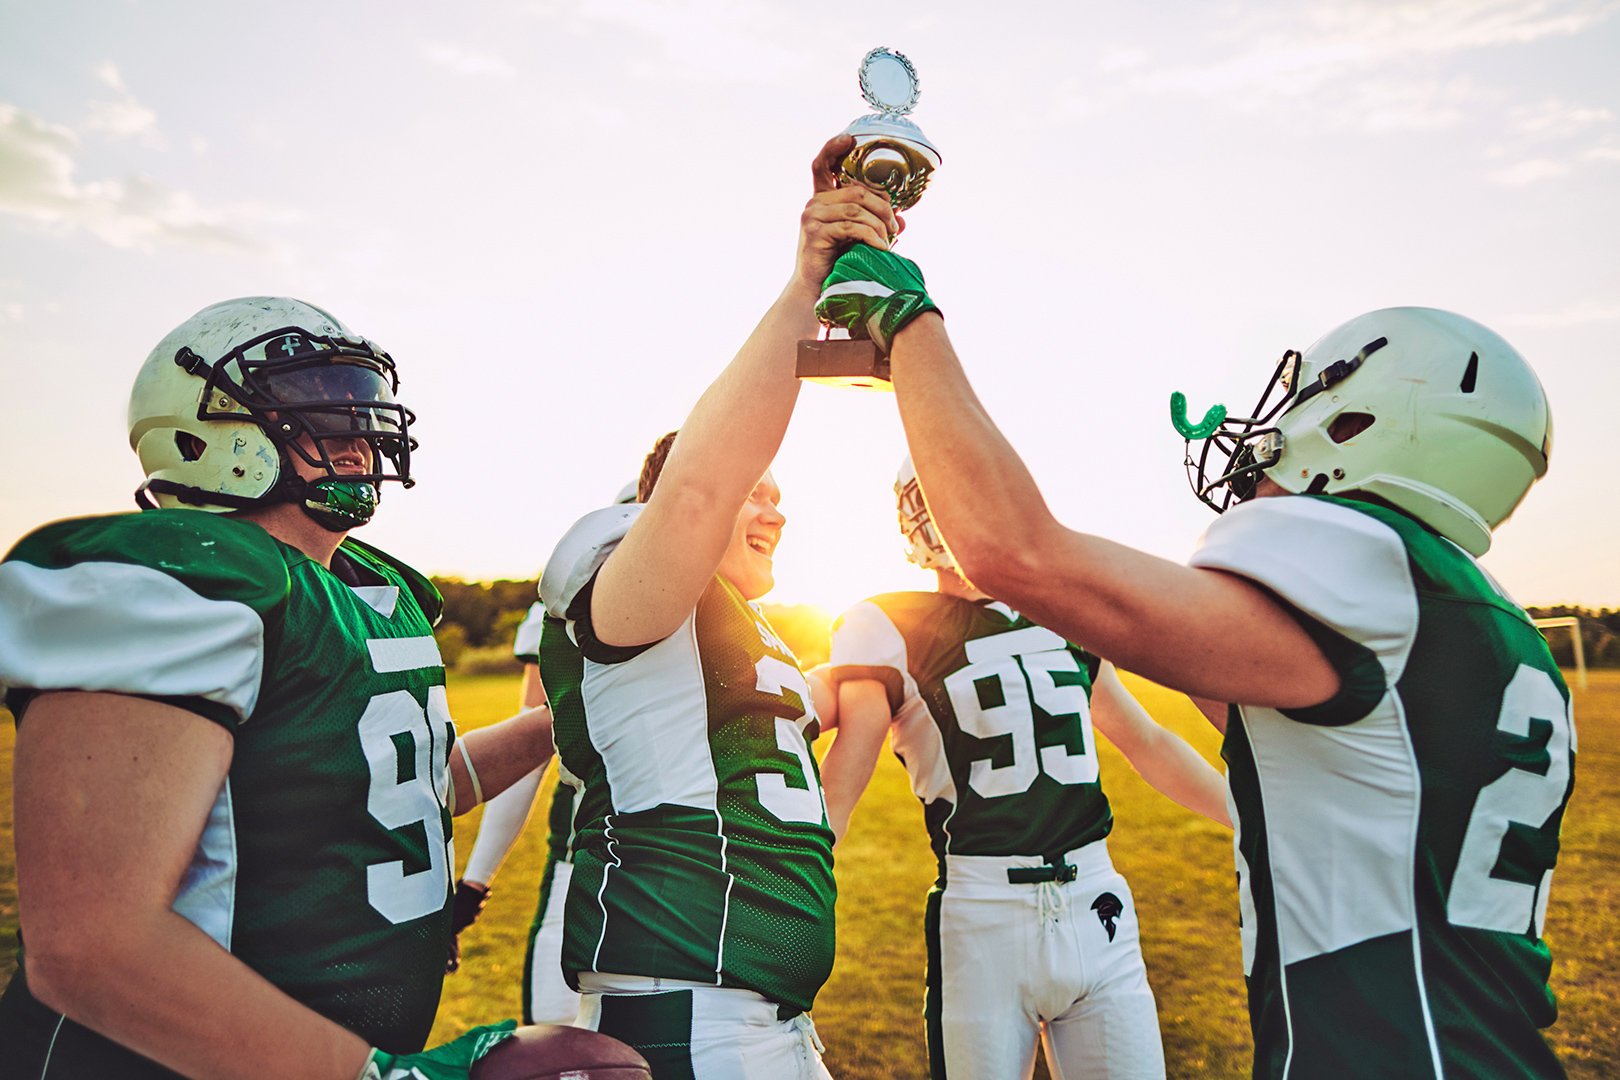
<point>892,157</point>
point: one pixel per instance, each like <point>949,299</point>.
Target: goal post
<point>1573,624</point>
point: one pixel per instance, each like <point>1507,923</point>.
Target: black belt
<point>1055,870</point>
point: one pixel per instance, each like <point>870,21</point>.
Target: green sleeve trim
<point>1361,677</point>
<point>18,700</point>
<point>527,658</point>
<point>894,684</point>
<point>590,646</point>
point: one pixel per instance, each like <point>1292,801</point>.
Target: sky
<point>562,219</point>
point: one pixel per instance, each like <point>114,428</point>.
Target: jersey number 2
<point>1490,889</point>
<point>992,698</point>
<point>407,786</point>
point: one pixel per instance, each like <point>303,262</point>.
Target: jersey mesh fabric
<point>689,874</point>
<point>304,841</point>
<point>932,631</point>
<point>1395,977</point>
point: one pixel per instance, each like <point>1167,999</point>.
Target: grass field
<point>1180,869</point>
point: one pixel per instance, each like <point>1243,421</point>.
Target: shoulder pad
<point>217,557</point>
<point>426,594</point>
<point>581,553</point>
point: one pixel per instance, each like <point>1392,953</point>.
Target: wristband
<point>472,773</point>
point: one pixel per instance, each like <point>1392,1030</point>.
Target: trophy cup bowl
<point>893,157</point>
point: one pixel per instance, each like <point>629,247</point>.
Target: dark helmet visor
<point>334,397</point>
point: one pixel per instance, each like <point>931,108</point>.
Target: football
<point>554,1052</point>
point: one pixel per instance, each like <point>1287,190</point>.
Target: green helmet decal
<point>1205,428</point>
<point>340,505</point>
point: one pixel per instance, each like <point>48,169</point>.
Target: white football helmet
<point>923,544</point>
<point>1422,408</point>
<point>231,392</point>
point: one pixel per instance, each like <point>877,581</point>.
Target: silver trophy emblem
<point>891,153</point>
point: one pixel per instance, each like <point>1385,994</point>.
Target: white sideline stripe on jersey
<point>654,745</point>
<point>126,629</point>
<point>527,641</point>
<point>1338,877</point>
<point>1031,639</point>
<point>857,288</point>
<point>867,637</point>
<point>207,897</point>
<point>380,598</point>
<point>404,653</point>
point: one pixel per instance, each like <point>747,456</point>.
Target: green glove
<point>873,294</point>
<point>452,1061</point>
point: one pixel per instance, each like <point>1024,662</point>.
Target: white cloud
<point>721,40</point>
<point>37,182</point>
<point>1310,54</point>
<point>121,118</point>
<point>1557,119</point>
<point>1527,172</point>
<point>466,61</point>
<point>1587,311</point>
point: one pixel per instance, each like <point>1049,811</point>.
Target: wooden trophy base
<point>854,364</point>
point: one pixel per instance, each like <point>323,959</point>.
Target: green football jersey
<point>702,850</point>
<point>1395,844</point>
<point>992,719</point>
<point>564,799</point>
<point>326,863</point>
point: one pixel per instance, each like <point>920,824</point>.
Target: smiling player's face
<point>747,564</point>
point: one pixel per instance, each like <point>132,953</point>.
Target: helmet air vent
<point>191,448</point>
<point>1471,374</point>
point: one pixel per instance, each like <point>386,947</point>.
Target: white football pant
<point>1057,961</point>
<point>549,998</point>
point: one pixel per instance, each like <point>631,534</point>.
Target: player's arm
<point>507,814</point>
<point>824,695</point>
<point>1203,632</point>
<point>1174,769</point>
<point>650,583</point>
<point>505,817</point>
<point>112,794</point>
<point>1214,711</point>
<point>500,756</point>
<point>863,720</point>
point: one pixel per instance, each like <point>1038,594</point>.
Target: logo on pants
<point>1108,908</point>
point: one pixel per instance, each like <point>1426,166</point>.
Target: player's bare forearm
<point>111,796</point>
<point>1163,758</point>
<point>1198,631</point>
<point>650,583</point>
<point>863,721</point>
<point>501,755</point>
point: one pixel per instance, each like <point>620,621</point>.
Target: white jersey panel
<point>207,896</point>
<point>867,638</point>
<point>527,642</point>
<point>1345,569</point>
<point>59,632</point>
<point>1342,871</point>
<point>655,748</point>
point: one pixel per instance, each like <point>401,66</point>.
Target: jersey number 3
<point>992,698</point>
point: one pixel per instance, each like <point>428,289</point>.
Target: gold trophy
<point>894,158</point>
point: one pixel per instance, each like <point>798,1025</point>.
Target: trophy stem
<point>844,362</point>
